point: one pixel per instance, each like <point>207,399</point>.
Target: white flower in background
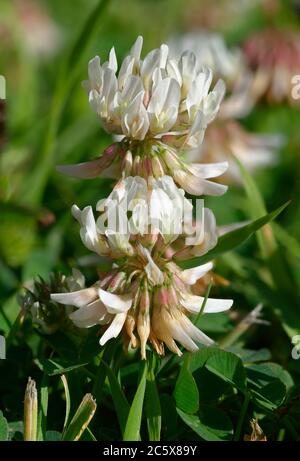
<point>226,63</point>
<point>146,301</point>
<point>226,139</point>
<point>154,96</point>
<point>38,31</point>
<point>273,55</point>
<point>210,50</point>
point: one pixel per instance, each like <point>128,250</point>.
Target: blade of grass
<point>153,408</point>
<point>68,400</point>
<point>81,419</point>
<point>43,408</point>
<point>257,208</point>
<point>15,327</point>
<point>233,239</point>
<point>133,424</point>
<point>66,76</point>
<point>105,358</point>
<point>121,404</point>
<point>277,264</point>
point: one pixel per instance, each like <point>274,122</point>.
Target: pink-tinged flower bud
<point>117,282</point>
<point>168,138</point>
<point>127,163</point>
<point>130,325</point>
<point>173,297</point>
<point>158,345</point>
<point>147,167</point>
<point>171,160</point>
<point>161,297</point>
<point>143,321</point>
<point>112,150</point>
<point>136,165</point>
<point>157,167</point>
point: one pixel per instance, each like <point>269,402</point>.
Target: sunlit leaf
<point>233,239</point>
<point>133,424</point>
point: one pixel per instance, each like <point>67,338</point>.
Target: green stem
<point>241,417</point>
<point>105,358</point>
<point>204,301</point>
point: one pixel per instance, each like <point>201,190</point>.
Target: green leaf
<point>264,373</point>
<point>53,436</point>
<point>81,419</point>
<point>133,424</point>
<point>249,356</point>
<point>153,406</point>
<point>270,383</point>
<point>153,410</point>
<point>270,396</point>
<point>120,402</point>
<point>68,399</point>
<point>169,417</point>
<point>228,367</point>
<point>233,239</point>
<point>186,392</point>
<point>58,366</point>
<point>3,428</point>
<point>43,408</point>
<point>288,242</point>
<point>256,208</point>
<point>212,424</point>
<point>276,261</point>
<point>198,359</point>
<point>211,388</point>
<point>16,430</point>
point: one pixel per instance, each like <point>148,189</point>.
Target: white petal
<point>193,303</point>
<point>195,333</point>
<point>212,102</point>
<point>91,315</point>
<point>190,276</point>
<point>114,329</point>
<point>93,168</point>
<point>209,170</point>
<point>195,185</point>
<point>163,105</point>
<point>113,63</point>
<point>206,236</point>
<point>181,336</point>
<point>153,272</point>
<point>115,303</point>
<point>76,298</point>
<point>95,73</point>
<point>136,49</point>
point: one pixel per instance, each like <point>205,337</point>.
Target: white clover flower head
<point>154,96</point>
<point>159,106</point>
<point>142,211</point>
<point>148,301</point>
